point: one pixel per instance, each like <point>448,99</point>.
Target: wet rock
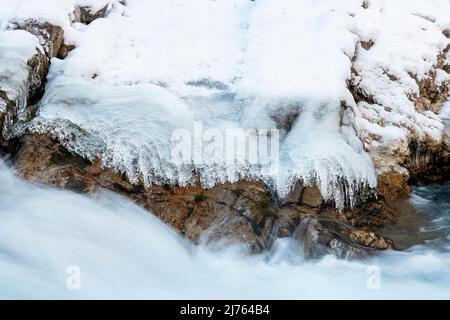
<point>428,162</point>
<point>316,237</point>
<point>392,183</point>
<point>370,239</point>
<point>367,216</point>
<point>312,197</point>
<point>295,196</point>
<point>288,219</point>
<point>239,213</point>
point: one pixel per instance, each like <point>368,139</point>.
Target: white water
<point>125,252</point>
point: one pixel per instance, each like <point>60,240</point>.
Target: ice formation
<point>152,67</point>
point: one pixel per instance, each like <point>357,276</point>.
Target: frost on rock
<point>153,67</point>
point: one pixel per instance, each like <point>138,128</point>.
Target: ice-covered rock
<point>400,79</point>
<point>336,78</point>
<point>22,71</point>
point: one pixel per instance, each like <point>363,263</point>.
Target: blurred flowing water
<point>117,250</point>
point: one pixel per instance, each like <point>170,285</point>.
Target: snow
<point>152,67</point>
<point>408,37</point>
<point>57,12</point>
<point>16,47</point>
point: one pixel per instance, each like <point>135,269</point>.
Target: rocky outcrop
<point>244,212</point>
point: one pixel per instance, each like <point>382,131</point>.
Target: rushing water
<point>51,241</point>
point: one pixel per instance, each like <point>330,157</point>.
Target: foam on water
<point>125,252</point>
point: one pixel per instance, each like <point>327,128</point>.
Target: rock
<point>316,237</point>
<point>370,239</point>
<point>392,183</point>
<point>38,68</point>
<point>367,44</point>
<point>25,85</point>
<point>367,216</point>
<point>417,145</point>
<point>295,196</point>
<point>50,36</point>
<point>64,50</point>
<point>86,14</point>
<point>312,197</point>
<point>428,162</point>
<point>240,213</point>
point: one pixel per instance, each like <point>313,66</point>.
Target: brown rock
<point>86,14</point>
<point>392,183</point>
<point>370,239</point>
<point>312,197</point>
<point>367,44</point>
<point>37,71</point>
<point>50,36</point>
<point>64,50</point>
<point>295,196</point>
<point>320,236</point>
<point>243,212</point>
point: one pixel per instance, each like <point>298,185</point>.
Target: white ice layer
<point>152,67</point>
